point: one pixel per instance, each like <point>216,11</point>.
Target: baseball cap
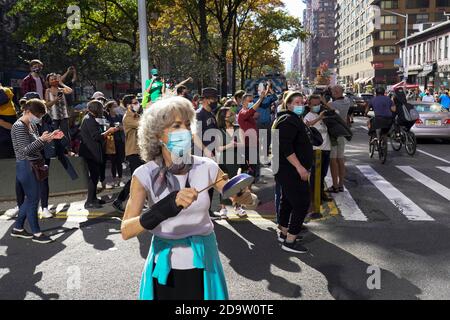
<point>98,95</point>
<point>154,72</point>
<point>31,95</point>
<point>209,93</point>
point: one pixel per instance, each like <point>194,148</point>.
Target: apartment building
<point>365,50</point>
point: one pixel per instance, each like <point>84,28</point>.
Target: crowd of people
<point>159,140</point>
<point>429,95</point>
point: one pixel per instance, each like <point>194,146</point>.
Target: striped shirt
<point>26,143</point>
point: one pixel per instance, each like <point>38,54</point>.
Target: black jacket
<point>336,126</point>
<point>293,139</point>
<point>92,142</point>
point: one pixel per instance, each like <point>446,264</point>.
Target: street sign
<point>398,62</point>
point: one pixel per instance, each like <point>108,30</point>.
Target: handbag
<point>110,145</point>
<point>314,136</point>
<point>40,169</point>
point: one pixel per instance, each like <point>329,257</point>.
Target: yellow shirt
<point>8,109</point>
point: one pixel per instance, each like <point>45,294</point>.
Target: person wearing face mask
<point>247,123</point>
<point>183,261</point>
<point>130,127</point>
<point>295,161</point>
<point>92,149</point>
<point>34,82</point>
<point>314,119</point>
<point>55,97</point>
<point>30,167</point>
<point>230,152</point>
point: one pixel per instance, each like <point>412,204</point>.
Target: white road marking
<point>407,207</point>
<point>347,206</point>
<point>433,156</point>
<point>443,191</point>
<point>446,169</point>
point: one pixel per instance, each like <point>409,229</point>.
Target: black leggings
<point>94,174</point>
<point>295,199</point>
<point>181,285</point>
<point>135,162</point>
<point>116,165</point>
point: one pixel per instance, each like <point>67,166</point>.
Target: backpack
<point>408,112</point>
<point>4,99</point>
<point>315,137</point>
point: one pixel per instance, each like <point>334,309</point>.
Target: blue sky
<point>295,8</point>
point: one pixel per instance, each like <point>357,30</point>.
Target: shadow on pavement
<point>254,262</point>
<point>21,259</point>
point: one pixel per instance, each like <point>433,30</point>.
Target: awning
<point>402,84</point>
<point>413,72</point>
<point>370,79</point>
<point>423,73</point>
<point>358,80</point>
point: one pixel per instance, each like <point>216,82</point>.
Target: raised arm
<point>131,226</point>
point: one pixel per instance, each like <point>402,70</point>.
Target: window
<point>389,20</point>
<point>419,18</point>
<point>386,50</point>
<point>440,49</point>
<point>388,34</point>
<point>414,54</point>
<point>446,48</point>
<point>419,54</point>
<point>442,3</point>
<point>424,52</point>
<point>415,4</point>
<point>389,4</point>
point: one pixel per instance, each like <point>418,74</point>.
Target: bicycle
<point>378,142</point>
<point>400,136</point>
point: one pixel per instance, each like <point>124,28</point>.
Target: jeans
<point>323,172</point>
<point>31,188</point>
<point>45,190</point>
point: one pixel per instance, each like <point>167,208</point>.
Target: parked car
<point>434,121</point>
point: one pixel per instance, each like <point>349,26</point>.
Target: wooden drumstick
<point>224,177</point>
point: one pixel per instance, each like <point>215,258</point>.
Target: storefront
<point>426,78</point>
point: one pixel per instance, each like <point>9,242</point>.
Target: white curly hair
<point>159,116</point>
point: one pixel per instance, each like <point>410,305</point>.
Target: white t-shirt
<point>39,86</point>
<point>326,145</point>
<point>429,98</point>
<point>192,221</point>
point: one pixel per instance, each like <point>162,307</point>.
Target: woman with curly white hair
<point>183,262</point>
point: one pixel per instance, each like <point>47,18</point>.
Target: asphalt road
<point>394,222</point>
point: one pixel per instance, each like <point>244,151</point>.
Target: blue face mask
<point>179,143</point>
<point>35,120</point>
<point>250,105</point>
<point>299,110</point>
<point>315,109</point>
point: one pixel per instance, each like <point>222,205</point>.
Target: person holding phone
<point>57,104</point>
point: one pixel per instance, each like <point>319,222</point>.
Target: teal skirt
<point>206,257</point>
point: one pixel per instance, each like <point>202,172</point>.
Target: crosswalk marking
<point>407,207</point>
<point>433,156</point>
<point>446,169</point>
<point>347,206</point>
<point>426,181</point>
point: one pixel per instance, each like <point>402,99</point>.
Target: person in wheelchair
<point>384,109</point>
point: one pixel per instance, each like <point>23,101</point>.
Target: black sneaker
<point>118,205</point>
<point>92,205</point>
<point>42,239</point>
<point>214,216</point>
<point>295,247</point>
<point>21,234</point>
<point>282,238</point>
<point>100,201</point>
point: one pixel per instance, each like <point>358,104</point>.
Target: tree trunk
<point>203,49</point>
<point>234,61</point>
<point>223,67</point>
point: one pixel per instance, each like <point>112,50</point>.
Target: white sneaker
<point>12,213</point>
<point>121,184</point>
<point>241,213</point>
<point>223,213</point>
<point>99,185</point>
<point>107,186</point>
<point>45,214</point>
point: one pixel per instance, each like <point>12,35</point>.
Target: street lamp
<point>143,42</point>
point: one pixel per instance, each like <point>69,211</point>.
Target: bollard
<point>317,180</point>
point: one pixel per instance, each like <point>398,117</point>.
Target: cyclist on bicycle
<point>384,109</point>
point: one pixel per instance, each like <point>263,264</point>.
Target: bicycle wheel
<point>396,141</point>
<point>372,143</point>
<point>383,149</point>
<point>411,143</point>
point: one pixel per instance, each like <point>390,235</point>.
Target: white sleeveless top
<point>194,220</point>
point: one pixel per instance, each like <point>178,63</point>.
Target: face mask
<point>315,109</point>
<point>231,119</point>
<point>250,105</point>
<point>179,143</point>
<point>54,83</point>
<point>298,110</point>
<point>35,120</point>
<point>136,107</point>
<point>36,69</point>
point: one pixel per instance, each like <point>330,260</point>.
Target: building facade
<point>296,59</point>
<point>366,48</point>
<point>318,20</point>
<point>428,56</point>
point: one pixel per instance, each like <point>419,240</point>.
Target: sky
<point>295,8</point>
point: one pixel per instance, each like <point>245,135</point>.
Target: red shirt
<point>248,124</point>
<point>29,85</point>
